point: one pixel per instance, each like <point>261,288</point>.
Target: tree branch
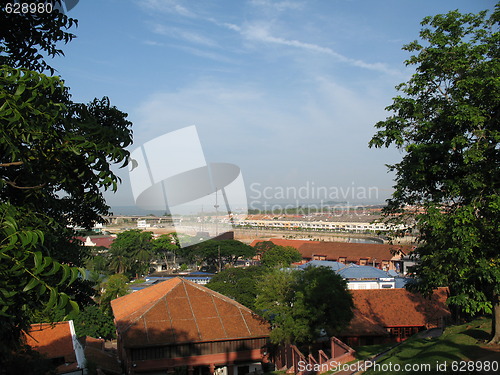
<point>11,164</point>
<point>14,185</point>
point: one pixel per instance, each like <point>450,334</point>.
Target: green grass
<point>368,351</point>
<point>457,343</point>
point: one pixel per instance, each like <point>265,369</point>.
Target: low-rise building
<point>58,342</point>
<point>386,315</point>
<point>177,323</point>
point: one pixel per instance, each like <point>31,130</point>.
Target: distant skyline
<point>288,90</point>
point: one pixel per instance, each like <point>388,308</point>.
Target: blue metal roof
<point>353,271</point>
<point>323,263</point>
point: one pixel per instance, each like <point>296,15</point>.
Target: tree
<point>116,286</point>
<point>281,256</point>
<point>24,35</point>
<point>165,246</point>
<point>448,123</point>
<point>239,284</point>
<point>55,163</point>
<point>301,306</point>
<point>93,322</point>
<point>217,253</point>
<point>131,252</point>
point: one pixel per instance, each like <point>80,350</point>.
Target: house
<point>177,323</point>
<point>197,277</point>
<point>366,277</point>
<point>357,277</point>
<point>383,256</point>
<point>385,315</point>
<point>58,342</point>
<point>92,241</point>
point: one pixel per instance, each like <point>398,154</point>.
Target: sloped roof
<point>399,307</point>
<point>336,266</point>
<point>351,251</point>
<point>52,340</point>
<point>362,325</point>
<point>177,311</point>
<point>335,250</point>
<point>282,242</point>
<point>354,271</point>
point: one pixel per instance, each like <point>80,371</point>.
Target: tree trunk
<point>495,322</point>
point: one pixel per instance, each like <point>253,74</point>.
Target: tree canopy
<point>218,253</point>
<point>302,306</point>
<point>447,121</point>
<point>280,256</point>
<point>55,163</point>
<point>239,284</point>
<point>24,37</point>
<point>131,252</point>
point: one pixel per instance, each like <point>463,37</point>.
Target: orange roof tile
<point>334,250</point>
<point>283,242</point>
<point>178,310</point>
<point>351,251</point>
<point>399,307</point>
<point>52,340</point>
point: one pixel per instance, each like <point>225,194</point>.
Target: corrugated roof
<point>178,310</point>
<point>323,263</point>
<point>354,271</point>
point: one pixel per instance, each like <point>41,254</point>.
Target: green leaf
<point>31,284</point>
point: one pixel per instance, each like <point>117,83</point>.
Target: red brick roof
<point>51,340</point>
<point>178,310</point>
<point>54,341</point>
<point>395,308</point>
<point>282,242</point>
<point>104,241</point>
<point>353,252</point>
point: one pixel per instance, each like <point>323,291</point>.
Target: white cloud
<point>186,35</point>
<point>260,32</point>
<point>278,5</point>
<point>166,6</point>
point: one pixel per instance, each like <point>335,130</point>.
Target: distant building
<point>141,224</point>
<point>357,277</point>
<point>92,241</point>
<point>178,323</point>
<point>383,256</point>
<point>198,277</point>
<point>58,342</point>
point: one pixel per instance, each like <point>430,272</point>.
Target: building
<point>198,277</point>
<point>321,225</point>
<point>385,315</point>
<point>383,256</point>
<point>357,277</point>
<point>102,241</point>
<point>366,277</point>
<point>180,324</point>
<point>58,342</point>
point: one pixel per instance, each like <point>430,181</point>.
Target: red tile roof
<point>395,308</point>
<point>104,241</point>
<point>51,340</point>
<point>353,252</point>
<point>54,341</point>
<point>282,242</point>
<point>178,310</point>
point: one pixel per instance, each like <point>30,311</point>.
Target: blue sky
<point>288,90</point>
